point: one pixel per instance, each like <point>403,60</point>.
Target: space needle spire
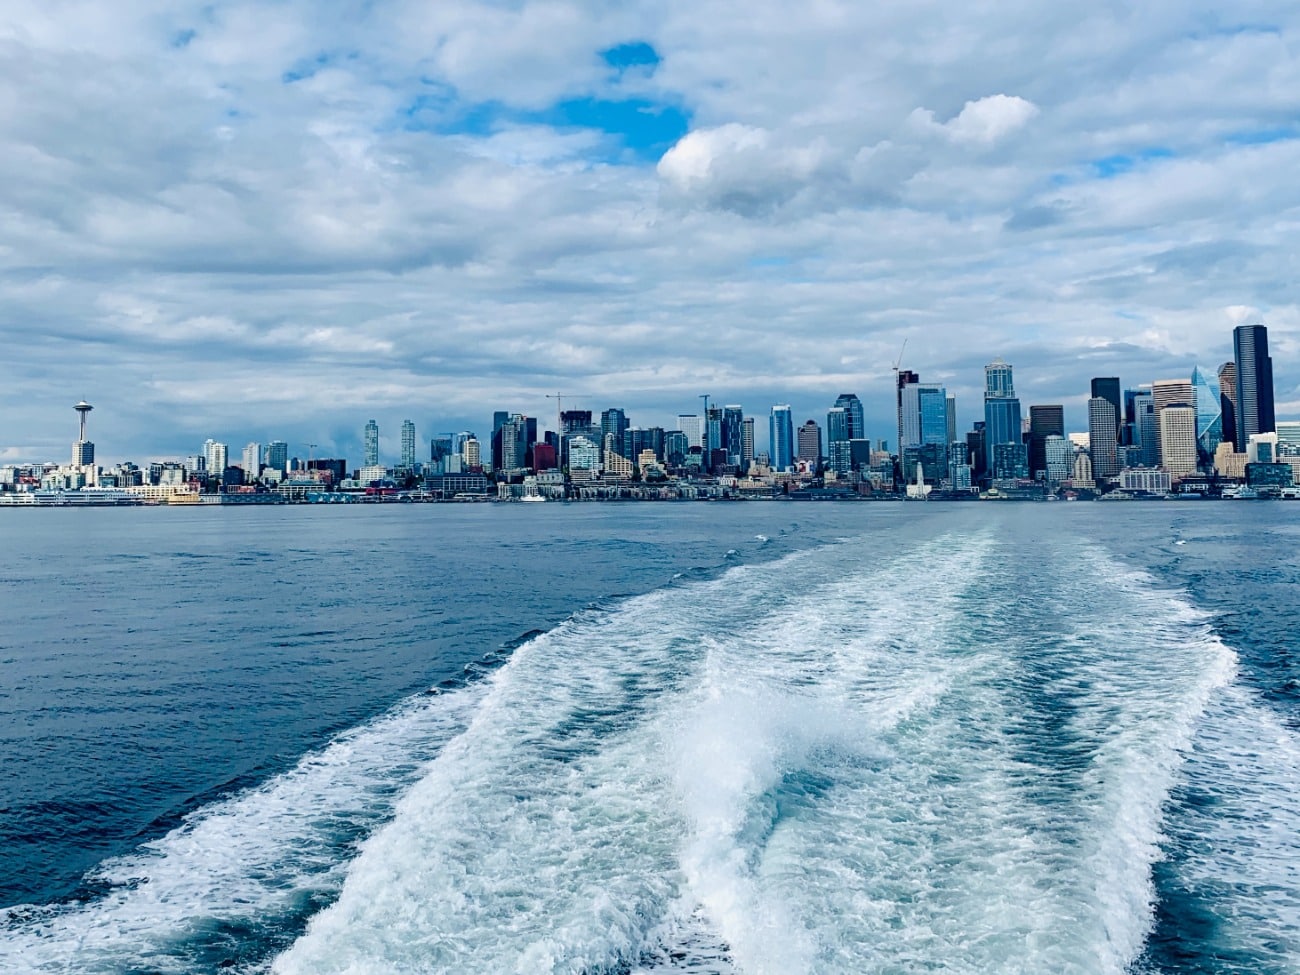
<point>82,409</point>
<point>83,451</point>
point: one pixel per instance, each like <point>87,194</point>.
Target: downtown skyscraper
<point>781,435</point>
<point>371,454</point>
<point>1228,401</point>
<point>844,424</point>
<point>810,442</point>
<point>1002,422</point>
<point>1103,440</point>
<point>1254,406</point>
<point>1046,420</point>
<point>923,417</point>
<point>1108,388</point>
<point>408,444</point>
<point>1208,401</point>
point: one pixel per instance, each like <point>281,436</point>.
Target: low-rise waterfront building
<point>1145,480</point>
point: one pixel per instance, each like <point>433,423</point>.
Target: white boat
<point>80,498</point>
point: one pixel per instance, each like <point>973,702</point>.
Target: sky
<point>277,220</point>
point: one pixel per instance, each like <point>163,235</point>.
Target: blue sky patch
<point>1261,137</point>
<point>646,128</point>
<point>308,67</point>
<point>634,54</point>
<point>1118,165</point>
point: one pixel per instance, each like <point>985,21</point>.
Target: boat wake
<point>931,757</point>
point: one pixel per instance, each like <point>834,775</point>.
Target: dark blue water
<point>155,659</point>
<point>1075,725</point>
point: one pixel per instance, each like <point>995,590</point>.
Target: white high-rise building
<point>1178,439</point>
<point>471,452</point>
<point>1170,392</point>
<point>215,457</point>
<point>584,454</point>
<point>1059,455</point>
<point>252,462</point>
<point>1288,433</point>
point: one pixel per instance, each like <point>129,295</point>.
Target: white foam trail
<point>817,688</point>
<point>572,776</point>
<point>240,862</point>
<point>1238,844</point>
<point>1142,713</point>
<point>886,817</point>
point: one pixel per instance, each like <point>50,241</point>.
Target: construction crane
<point>559,412</point>
<point>898,396</point>
<point>898,363</point>
<point>311,447</point>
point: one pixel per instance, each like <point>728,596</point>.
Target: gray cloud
<point>250,220</point>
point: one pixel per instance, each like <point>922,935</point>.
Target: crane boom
<point>559,412</point>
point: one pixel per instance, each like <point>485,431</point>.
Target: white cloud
<point>989,119</point>
<point>411,225</point>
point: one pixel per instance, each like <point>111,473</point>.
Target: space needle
<point>83,408</point>
<point>83,451</point>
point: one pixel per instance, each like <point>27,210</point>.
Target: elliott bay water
<point>750,738</point>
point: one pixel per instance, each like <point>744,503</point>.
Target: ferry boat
<point>81,498</point>
<point>1242,493</point>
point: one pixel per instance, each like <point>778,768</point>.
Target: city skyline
<point>925,414</point>
<point>413,217</point>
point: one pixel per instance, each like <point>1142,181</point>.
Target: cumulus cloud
<point>989,119</point>
<point>983,121</point>
<point>741,168</point>
<point>248,220</point>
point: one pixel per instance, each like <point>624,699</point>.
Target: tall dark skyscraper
<point>1044,421</point>
<point>1107,388</point>
<point>573,421</point>
<point>733,420</point>
<point>614,420</point>
<point>852,406</point>
<point>1254,382</point>
<point>975,450</point>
